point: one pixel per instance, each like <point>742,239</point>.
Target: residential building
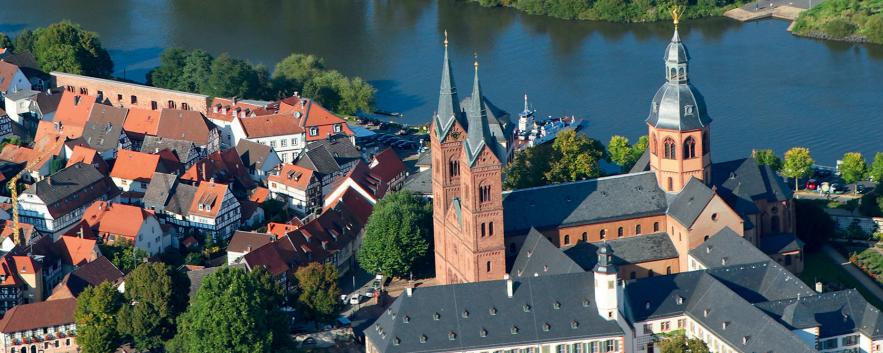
<point>86,155</point>
<point>282,132</point>
<point>260,160</point>
<point>129,95</point>
<point>56,203</point>
<point>48,327</point>
<point>116,223</point>
<point>298,187</point>
<point>132,172</point>
<point>103,131</point>
<point>27,107</point>
<point>141,123</point>
<point>208,207</point>
<point>223,166</point>
<point>386,173</point>
<point>57,258</point>
<point>12,79</point>
<point>188,125</point>
<point>331,159</point>
<point>5,124</point>
<point>72,114</point>
<point>186,152</point>
<point>245,242</point>
<point>224,113</point>
<point>91,274</point>
<point>317,122</point>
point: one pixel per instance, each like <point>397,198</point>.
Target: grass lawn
<point>818,267</point>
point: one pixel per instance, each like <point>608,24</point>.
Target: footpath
<point>782,9</point>
<point>863,279</point>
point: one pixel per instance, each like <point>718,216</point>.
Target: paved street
<point>767,4</point>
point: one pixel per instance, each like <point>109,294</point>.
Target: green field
<point>818,267</point>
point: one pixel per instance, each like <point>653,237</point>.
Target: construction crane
<point>41,155</point>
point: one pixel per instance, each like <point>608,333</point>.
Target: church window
<point>638,229</point>
<point>655,227</point>
<point>585,237</point>
<point>453,168</point>
<point>619,232</point>
<point>670,184</point>
<point>670,148</point>
<point>483,230</point>
<point>603,233</point>
<point>488,266</point>
<point>668,270</point>
<point>653,145</point>
<point>484,193</point>
<point>673,73</point>
<point>490,228</point>
<point>690,148</point>
<point>566,239</point>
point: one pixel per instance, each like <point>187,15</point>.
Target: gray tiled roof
<point>253,154</point>
<point>583,202</point>
<point>319,160</point>
<point>642,164</point>
<point>340,147</point>
<point>182,149</point>
<point>837,313</point>
<point>762,281</point>
<point>690,202</point>
<point>726,248</point>
<point>81,179</point>
<point>159,190</point>
<point>479,132</point>
<point>453,317</point>
<point>419,183</point>
<point>628,250</point>
<point>741,182</point>
<point>538,256</point>
<point>780,243</point>
<point>448,105</point>
<point>104,127</point>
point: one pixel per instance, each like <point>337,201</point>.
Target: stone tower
<point>471,247</point>
<point>678,124</point>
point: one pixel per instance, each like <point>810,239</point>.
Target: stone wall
<point>129,95</point>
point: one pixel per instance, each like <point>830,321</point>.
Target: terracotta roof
<point>16,154</point>
<point>142,121</point>
<point>271,125</point>
<point>10,277</point>
<point>268,257</point>
<point>247,241</point>
<point>50,141</point>
<point>38,315</point>
<point>74,109</point>
<point>208,199</point>
<point>223,166</point>
<point>187,125</point>
<point>259,195</point>
<point>7,73</point>
<point>86,155</point>
<point>76,251</point>
<point>225,109</point>
<point>294,176</point>
<point>131,165</point>
<point>314,115</point>
<point>27,230</point>
<point>282,229</point>
<point>24,265</point>
<point>387,165</point>
<point>116,218</point>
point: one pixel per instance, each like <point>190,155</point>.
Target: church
<point>675,197</point>
<point>614,264</point>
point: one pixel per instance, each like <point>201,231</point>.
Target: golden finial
<point>676,13</point>
<point>446,38</point>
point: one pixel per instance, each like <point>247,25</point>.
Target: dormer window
<point>314,131</point>
<point>423,338</point>
<point>688,110</point>
<point>654,107</point>
<point>514,330</point>
<point>452,336</point>
<point>338,128</point>
<point>483,333</point>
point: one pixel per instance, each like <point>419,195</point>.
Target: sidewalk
<point>870,285</point>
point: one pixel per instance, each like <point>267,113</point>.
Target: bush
<point>839,28</point>
<point>874,28</point>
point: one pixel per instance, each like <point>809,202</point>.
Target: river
<point>764,87</point>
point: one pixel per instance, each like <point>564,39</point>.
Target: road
<point>871,285</point>
<point>767,4</point>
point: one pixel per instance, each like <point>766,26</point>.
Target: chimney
<point>509,289</point>
<point>819,287</point>
<point>76,100</point>
<point>234,100</point>
<point>202,171</point>
<point>409,291</point>
<point>49,180</point>
<point>248,249</point>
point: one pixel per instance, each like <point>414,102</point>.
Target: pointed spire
<point>479,132</point>
<point>525,102</point>
<point>448,102</point>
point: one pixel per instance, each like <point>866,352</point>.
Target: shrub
<point>839,28</point>
<point>874,28</point>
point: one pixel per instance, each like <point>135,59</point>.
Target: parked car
<point>859,188</point>
<point>369,293</point>
<point>812,184</point>
<point>355,299</point>
<point>838,188</point>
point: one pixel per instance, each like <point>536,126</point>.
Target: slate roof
<point>159,190</point>
<point>628,250</point>
<point>780,243</point>
<point>761,281</point>
<point>419,183</point>
<point>480,316</point>
<point>253,154</point>
<point>740,182</point>
<point>583,202</point>
<point>89,274</point>
<point>677,105</point>
<point>838,313</point>
<point>690,202</point>
<point>726,248</point>
<point>538,256</point>
<point>183,150</point>
<point>340,148</point>
<point>104,127</point>
<point>642,164</point>
<point>81,179</point>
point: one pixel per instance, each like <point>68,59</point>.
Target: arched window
<point>171,104</point>
<point>668,270</point>
<point>484,193</point>
<point>673,73</point>
<point>483,230</point>
<point>671,150</point>
<point>671,184</point>
<point>488,265</point>
<point>490,228</point>
<point>637,229</point>
<point>566,239</point>
<point>690,148</point>
<point>653,145</point>
<point>585,237</point>
<point>603,233</point>
<point>619,232</point>
<point>655,227</point>
<point>706,238</point>
<point>453,168</point>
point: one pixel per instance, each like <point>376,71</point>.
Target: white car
<point>355,299</point>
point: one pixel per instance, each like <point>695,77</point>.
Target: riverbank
<point>609,10</point>
<point>859,21</point>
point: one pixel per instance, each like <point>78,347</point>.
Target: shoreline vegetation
<point>628,11</point>
<point>859,21</point>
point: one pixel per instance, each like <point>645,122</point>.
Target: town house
<point>46,327</point>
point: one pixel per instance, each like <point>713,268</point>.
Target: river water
<point>764,87</point>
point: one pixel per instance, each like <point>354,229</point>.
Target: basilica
<point>612,264</point>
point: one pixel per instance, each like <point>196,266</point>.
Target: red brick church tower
<point>467,183</point>
<point>678,124</point>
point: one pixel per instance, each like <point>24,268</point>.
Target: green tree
<point>296,70</point>
<point>640,147</point>
<point>5,42</point>
<point>679,343</point>
<point>124,257</point>
<point>528,168</point>
<point>196,72</point>
<point>839,28</point>
<point>576,158</point>
<point>319,293</point>
<point>67,47</point>
<point>874,28</point>
<point>231,77</point>
<point>96,319</point>
<point>876,170</point>
<point>24,41</point>
<point>233,311</point>
<point>397,235</point>
<point>356,95</point>
<point>798,164</point>
<point>158,294</point>
<point>853,168</point>
<point>620,152</point>
<point>768,157</point>
<point>168,73</point>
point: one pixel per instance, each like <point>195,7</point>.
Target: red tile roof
<point>314,115</point>
<point>87,156</point>
<point>142,121</point>
<point>293,176</point>
<point>131,165</point>
<point>7,73</point>
<point>223,166</point>
<point>115,218</point>
<point>16,154</point>
<point>282,229</point>
<point>226,110</point>
<point>39,315</point>
<point>75,250</point>
<point>188,125</point>
<point>74,110</point>
<point>259,195</point>
<point>208,199</point>
<point>271,125</point>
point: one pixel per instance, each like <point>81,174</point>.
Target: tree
<point>196,72</point>
<point>319,293</point>
<point>233,311</point>
<point>874,28</point>
<point>769,158</point>
<point>24,41</point>
<point>528,168</point>
<point>96,320</point>
<point>798,164</point>
<point>853,168</point>
<point>815,226</point>
<point>67,47</point>
<point>168,73</point>
<point>231,77</point>
<point>296,70</point>
<point>876,170</point>
<point>397,235</point>
<point>620,152</point>
<point>125,257</point>
<point>679,343</point>
<point>5,42</point>
<point>576,157</point>
<point>355,96</point>
<point>158,294</point>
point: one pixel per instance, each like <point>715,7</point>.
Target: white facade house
<point>281,132</point>
<point>299,187</point>
<point>12,79</point>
